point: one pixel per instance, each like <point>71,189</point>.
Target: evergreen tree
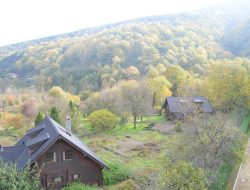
<point>54,114</point>
<point>39,118</point>
<point>72,106</point>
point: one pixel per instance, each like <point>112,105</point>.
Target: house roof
<point>184,104</point>
<point>40,138</point>
<point>11,153</point>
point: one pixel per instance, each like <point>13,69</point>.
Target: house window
<point>75,177</point>
<point>50,157</point>
<point>57,179</point>
<point>68,155</point>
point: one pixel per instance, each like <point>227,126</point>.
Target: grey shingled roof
<point>180,104</point>
<point>45,135</point>
<point>10,154</point>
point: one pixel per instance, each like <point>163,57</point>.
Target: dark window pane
<point>68,155</point>
<point>50,157</point>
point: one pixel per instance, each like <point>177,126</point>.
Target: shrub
<point>79,186</point>
<point>11,179</point>
<point>102,120</point>
<point>126,185</point>
<point>183,175</point>
<point>118,172</point>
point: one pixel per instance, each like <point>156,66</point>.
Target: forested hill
<point>94,58</point>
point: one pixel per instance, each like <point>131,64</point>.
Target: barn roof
<point>183,104</point>
<point>40,138</point>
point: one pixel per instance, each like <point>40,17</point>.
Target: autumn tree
<point>136,99</point>
<point>9,120</point>
<point>159,87</point>
<point>132,72</point>
<point>29,109</point>
<point>177,77</point>
<point>227,86</point>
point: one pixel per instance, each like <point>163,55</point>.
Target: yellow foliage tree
<point>57,91</point>
<point>160,89</point>
<point>9,120</point>
<point>227,85</point>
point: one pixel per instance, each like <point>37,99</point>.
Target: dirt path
<point>242,181</point>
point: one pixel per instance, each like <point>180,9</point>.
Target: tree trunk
<point>134,121</point>
<point>160,111</point>
<point>153,103</point>
<point>141,119</point>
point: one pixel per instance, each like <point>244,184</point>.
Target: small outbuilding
<point>177,108</point>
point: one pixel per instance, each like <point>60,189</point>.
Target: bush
<point>183,175</point>
<point>126,185</point>
<point>102,120</point>
<point>118,172</point>
<point>178,127</point>
<point>11,179</point>
<point>79,186</point>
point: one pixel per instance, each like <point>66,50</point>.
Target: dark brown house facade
<point>177,108</point>
<point>61,156</point>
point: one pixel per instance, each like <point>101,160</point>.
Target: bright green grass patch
<point>155,119</point>
<point>246,121</point>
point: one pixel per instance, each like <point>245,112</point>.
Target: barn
<point>177,108</point>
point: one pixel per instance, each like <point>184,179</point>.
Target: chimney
<point>68,125</point>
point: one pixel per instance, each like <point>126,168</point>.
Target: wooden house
<point>61,156</point>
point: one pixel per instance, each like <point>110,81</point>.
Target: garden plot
<point>167,128</point>
<point>130,147</point>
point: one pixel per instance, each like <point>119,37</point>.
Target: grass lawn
<point>136,149</point>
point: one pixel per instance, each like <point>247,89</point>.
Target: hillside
<point>82,60</point>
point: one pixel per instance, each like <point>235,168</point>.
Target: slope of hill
<point>82,60</point>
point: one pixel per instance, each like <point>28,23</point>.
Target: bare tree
<point>210,140</point>
<point>136,99</point>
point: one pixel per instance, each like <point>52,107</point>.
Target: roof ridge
<point>52,123</point>
<point>13,146</point>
